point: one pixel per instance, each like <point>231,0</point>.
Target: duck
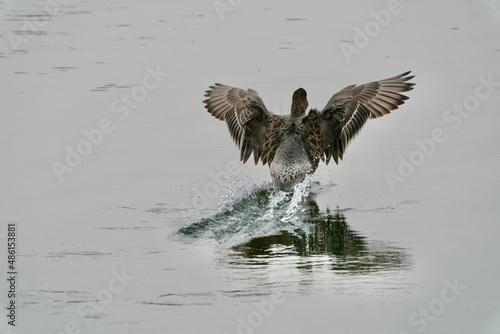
<point>293,145</point>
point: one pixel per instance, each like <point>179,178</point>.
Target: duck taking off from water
<point>293,145</point>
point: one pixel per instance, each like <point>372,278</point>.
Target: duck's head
<point>299,103</point>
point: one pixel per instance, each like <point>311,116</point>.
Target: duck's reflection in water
<point>329,238</point>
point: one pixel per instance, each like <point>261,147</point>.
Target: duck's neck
<point>297,112</point>
<point>299,103</point>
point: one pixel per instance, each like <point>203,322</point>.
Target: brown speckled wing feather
<point>348,110</point>
<point>311,137</point>
<point>273,138</point>
<point>253,128</point>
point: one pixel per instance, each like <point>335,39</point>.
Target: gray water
<point>157,228</point>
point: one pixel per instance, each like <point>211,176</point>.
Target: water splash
<point>234,191</point>
<point>249,210</point>
<point>261,226</point>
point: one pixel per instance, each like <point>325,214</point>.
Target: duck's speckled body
<point>291,163</point>
<point>294,144</point>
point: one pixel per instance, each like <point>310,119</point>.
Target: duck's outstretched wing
<point>348,110</point>
<point>252,127</point>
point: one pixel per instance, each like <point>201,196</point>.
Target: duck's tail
<point>291,163</point>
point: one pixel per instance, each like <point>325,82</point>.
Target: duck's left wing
<point>252,127</point>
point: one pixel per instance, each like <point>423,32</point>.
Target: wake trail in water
<point>249,210</point>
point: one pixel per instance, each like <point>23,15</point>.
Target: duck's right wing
<point>252,127</point>
<point>348,110</point>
